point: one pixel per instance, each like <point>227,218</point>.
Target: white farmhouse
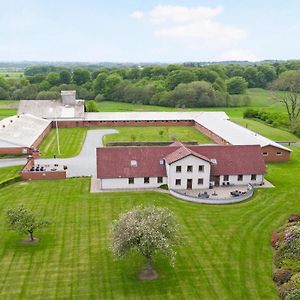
<point>181,167</point>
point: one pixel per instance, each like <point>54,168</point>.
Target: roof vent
<point>133,163</point>
<point>214,161</point>
<point>162,162</point>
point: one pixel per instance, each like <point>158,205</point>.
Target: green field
<point>10,74</point>
<point>152,134</point>
<point>226,253</point>
<point>70,139</point>
<point>7,173</point>
<point>275,134</point>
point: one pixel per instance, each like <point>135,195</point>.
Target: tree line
<point>173,85</point>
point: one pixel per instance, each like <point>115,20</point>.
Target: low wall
<point>86,123</point>
<point>17,150</point>
<point>26,174</point>
<point>42,136</point>
<point>217,139</point>
<point>214,200</point>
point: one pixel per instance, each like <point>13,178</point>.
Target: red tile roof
<point>181,153</point>
<point>115,162</point>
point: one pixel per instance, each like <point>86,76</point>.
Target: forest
<point>181,86</point>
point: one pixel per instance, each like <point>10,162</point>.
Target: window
<point>240,177</point>
<point>131,180</point>
<point>226,178</point>
<point>279,153</point>
<point>146,179</point>
<point>265,153</point>
<point>200,180</point>
<point>178,182</point>
<point>189,168</point>
<point>201,168</point>
<point>159,179</point>
<point>178,169</point>
<point>162,162</point>
<point>253,177</point>
<point>133,163</point>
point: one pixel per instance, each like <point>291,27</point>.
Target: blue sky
<point>149,30</point>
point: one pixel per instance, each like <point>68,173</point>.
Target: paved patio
<point>217,192</point>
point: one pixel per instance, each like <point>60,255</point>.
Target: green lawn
<point>7,173</point>
<point>70,140</point>
<point>152,134</point>
<point>268,131</point>
<point>226,252</point>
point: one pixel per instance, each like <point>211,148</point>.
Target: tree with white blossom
<point>147,230</point>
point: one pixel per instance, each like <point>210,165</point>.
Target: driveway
<point>83,164</point>
<point>8,162</point>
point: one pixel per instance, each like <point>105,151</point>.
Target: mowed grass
<point>7,173</point>
<point>157,134</point>
<point>70,141</point>
<point>275,134</point>
<point>226,252</point>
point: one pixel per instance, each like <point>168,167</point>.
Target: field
<point>9,173</point>
<point>226,252</point>
<point>145,134</point>
<point>72,139</point>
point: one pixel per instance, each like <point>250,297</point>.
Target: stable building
<point>22,134</point>
<point>179,166</point>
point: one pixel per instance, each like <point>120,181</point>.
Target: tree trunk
<point>149,264</point>
<point>31,235</point>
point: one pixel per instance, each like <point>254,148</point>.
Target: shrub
<point>99,98</point>
<point>164,187</point>
<point>296,280</point>
<point>294,218</point>
<point>285,289</point>
<point>91,106</point>
<point>281,276</point>
<point>293,295</point>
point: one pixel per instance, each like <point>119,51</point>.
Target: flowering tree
<point>23,221</point>
<point>148,230</point>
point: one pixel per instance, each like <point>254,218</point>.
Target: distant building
<point>180,167</point>
<point>67,108</point>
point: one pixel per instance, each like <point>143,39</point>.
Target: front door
<point>189,184</point>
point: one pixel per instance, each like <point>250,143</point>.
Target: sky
<point>149,30</point>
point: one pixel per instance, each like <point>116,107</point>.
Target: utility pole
<point>57,138</point>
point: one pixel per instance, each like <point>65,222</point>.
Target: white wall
<point>122,183</point>
<point>233,179</point>
<point>184,175</point>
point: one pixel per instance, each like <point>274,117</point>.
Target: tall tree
<point>147,230</point>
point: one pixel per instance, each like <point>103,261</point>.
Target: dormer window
<point>133,163</point>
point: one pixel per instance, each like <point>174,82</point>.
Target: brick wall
<point>70,123</point>
<point>27,175</point>
<point>217,139</point>
<point>17,150</point>
<point>274,154</point>
<point>42,136</point>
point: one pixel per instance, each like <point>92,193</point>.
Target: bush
<point>293,295</point>
<point>164,187</point>
<point>281,276</point>
<point>99,98</point>
<point>91,106</point>
<point>48,95</point>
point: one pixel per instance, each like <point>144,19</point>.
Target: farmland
<point>226,253</point>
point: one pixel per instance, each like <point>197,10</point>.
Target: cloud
<point>137,14</point>
<point>196,26</point>
<point>182,14</point>
<point>239,54</point>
